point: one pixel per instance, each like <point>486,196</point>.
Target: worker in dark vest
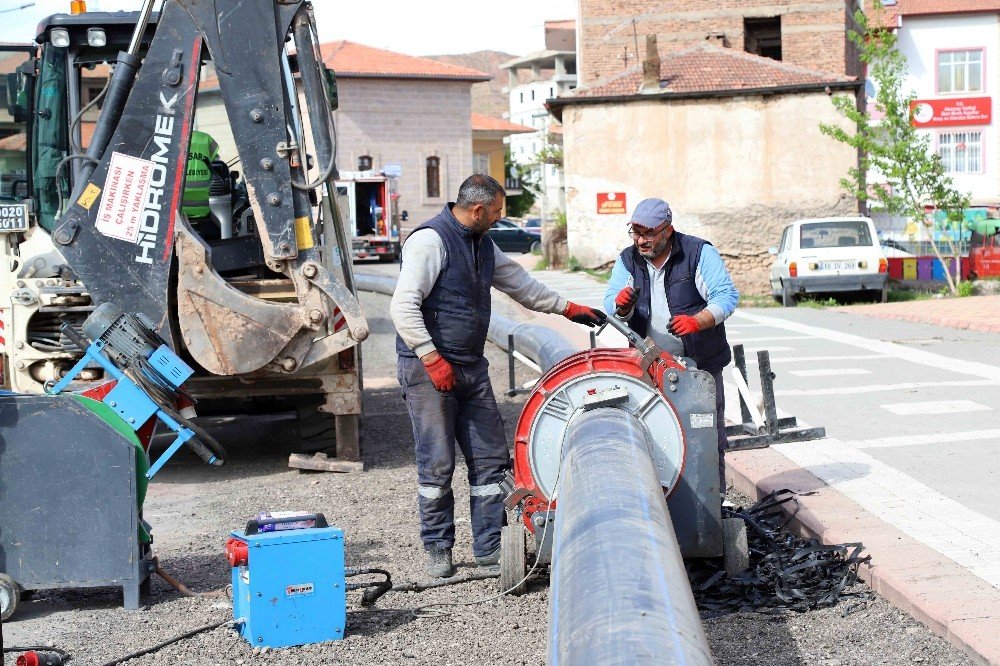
<point>675,288</point>
<point>441,310</point>
<point>198,178</point>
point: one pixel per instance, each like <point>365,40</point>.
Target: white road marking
<point>830,372</point>
<point>811,359</point>
<point>774,337</point>
<point>888,348</point>
<point>969,538</point>
<point>940,438</point>
<point>752,351</point>
<point>875,388</point>
<point>935,407</point>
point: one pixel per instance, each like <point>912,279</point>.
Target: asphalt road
<point>910,412</point>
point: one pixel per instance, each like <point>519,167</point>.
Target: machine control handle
<point>75,337</point>
<point>254,525</point>
<point>623,328</point>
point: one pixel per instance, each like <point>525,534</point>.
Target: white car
<point>827,255</point>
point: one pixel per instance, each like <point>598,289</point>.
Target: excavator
<point>257,297</point>
<point>121,312</point>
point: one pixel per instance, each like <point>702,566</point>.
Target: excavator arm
<point>123,232</point>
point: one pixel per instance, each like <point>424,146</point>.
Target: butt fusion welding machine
<point>676,403</point>
<point>96,443</point>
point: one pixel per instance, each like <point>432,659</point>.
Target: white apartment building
<point>951,49</point>
<point>551,73</point>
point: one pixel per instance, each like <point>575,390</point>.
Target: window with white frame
<point>960,71</point>
<point>481,163</point>
<point>961,152</point>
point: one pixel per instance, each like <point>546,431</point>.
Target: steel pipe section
<point>619,590</point>
<point>542,345</point>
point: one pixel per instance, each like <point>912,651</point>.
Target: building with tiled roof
<point>730,139</point>
<point>353,60</point>
<point>501,126</point>
<point>710,68</point>
<point>488,147</point>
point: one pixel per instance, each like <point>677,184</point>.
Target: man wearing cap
<point>441,310</point>
<point>674,288</point>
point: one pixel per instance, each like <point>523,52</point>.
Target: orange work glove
<point>684,325</point>
<point>441,373</point>
<point>626,300</point>
<point>581,314</point>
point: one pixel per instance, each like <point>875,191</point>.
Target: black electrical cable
<point>169,641</point>
<point>206,440</point>
<point>40,648</point>
<point>375,589</point>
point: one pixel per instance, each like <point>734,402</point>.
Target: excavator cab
<point>256,295</point>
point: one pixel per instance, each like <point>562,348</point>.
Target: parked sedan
<point>511,238</point>
<point>828,255</point>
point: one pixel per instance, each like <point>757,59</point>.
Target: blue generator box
<point>288,585</point>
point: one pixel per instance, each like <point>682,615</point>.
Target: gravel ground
<point>192,509</point>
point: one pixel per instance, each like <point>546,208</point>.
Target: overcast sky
<point>415,27</point>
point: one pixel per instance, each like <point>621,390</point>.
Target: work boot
<point>439,562</point>
<point>490,560</point>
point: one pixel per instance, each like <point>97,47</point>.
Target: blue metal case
<point>292,590</point>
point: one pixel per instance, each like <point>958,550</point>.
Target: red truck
<point>367,202</point>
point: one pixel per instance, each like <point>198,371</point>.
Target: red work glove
<point>625,301</point>
<point>581,314</point>
<point>441,373</point>
<point>684,325</point>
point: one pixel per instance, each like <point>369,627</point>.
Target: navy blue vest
<point>457,311</point>
<point>709,348</point>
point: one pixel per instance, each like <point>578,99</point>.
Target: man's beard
<point>481,226</point>
<point>656,250</point>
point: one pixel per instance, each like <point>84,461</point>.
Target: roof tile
<point>709,68</point>
<point>351,59</point>
<point>936,7</point>
<point>481,123</point>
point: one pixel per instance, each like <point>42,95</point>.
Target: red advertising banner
<point>610,203</point>
<point>951,112</point>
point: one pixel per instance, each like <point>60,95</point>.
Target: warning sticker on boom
<point>125,192</point>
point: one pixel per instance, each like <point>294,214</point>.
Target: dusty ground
<point>192,509</point>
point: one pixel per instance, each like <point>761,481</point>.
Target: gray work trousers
<point>468,417</point>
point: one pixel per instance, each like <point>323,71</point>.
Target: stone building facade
<point>731,140</point>
<point>805,33</point>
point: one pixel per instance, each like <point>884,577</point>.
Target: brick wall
<point>404,122</point>
<point>813,32</point>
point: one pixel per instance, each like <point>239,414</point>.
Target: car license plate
<point>13,217</point>
<point>836,265</point>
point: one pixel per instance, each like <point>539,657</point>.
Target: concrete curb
<point>951,601</point>
<point>949,322</point>
<point>973,313</point>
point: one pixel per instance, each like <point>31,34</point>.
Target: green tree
<point>891,146</point>
<point>519,205</point>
